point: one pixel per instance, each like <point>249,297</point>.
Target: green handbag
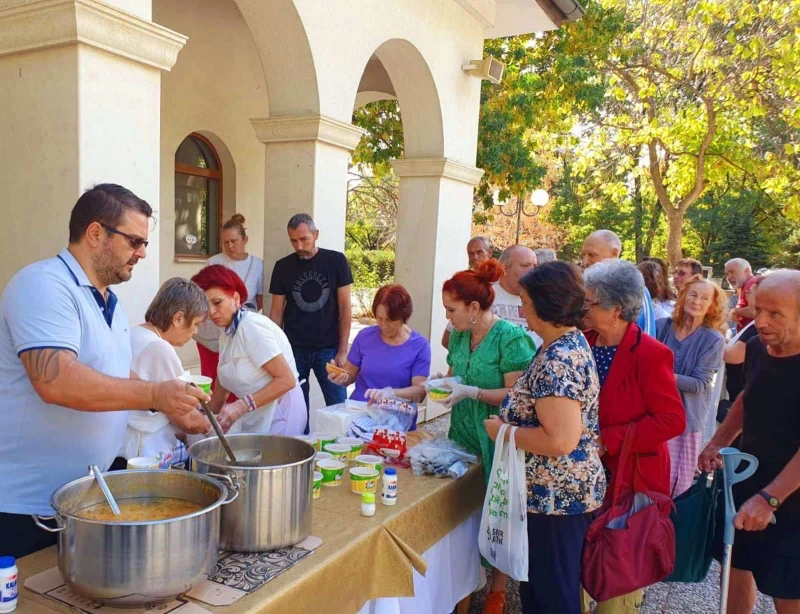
<point>694,518</point>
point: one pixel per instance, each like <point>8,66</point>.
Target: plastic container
<point>8,584</point>
<point>368,504</point>
<point>389,490</point>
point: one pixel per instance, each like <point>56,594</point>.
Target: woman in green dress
<point>489,355</point>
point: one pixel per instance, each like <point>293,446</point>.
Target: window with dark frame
<point>198,198</point>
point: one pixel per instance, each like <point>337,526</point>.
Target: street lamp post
<point>539,198</point>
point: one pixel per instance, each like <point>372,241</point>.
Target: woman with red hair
<point>489,355</point>
<point>389,358</point>
<point>695,336</point>
<point>256,362</point>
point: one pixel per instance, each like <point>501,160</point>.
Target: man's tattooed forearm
<point>44,365</point>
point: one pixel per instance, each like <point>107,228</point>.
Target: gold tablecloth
<point>360,558</point>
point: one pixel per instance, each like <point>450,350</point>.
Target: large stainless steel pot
<point>131,564</point>
<point>273,509</point>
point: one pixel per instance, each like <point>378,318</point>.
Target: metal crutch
<point>731,458</point>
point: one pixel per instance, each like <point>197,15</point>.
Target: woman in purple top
<point>390,357</point>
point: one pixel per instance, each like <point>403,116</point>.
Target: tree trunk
<point>675,236</point>
<point>637,218</point>
<point>651,230</point>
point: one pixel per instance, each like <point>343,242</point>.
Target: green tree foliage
<point>371,210</point>
<point>636,114</point>
<point>383,139</point>
<point>695,92</point>
<point>737,221</point>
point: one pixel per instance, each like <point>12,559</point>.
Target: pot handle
<point>233,486</point>
<point>38,521</point>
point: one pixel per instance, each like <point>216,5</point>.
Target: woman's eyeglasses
<point>135,242</point>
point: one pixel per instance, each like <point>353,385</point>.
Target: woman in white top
<point>170,321</point>
<point>256,362</point>
<point>250,269</point>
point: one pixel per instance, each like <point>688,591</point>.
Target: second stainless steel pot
<point>273,509</point>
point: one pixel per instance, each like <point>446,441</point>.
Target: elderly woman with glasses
<point>637,386</point>
<point>170,322</point>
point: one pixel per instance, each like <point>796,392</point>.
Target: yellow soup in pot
<point>138,510</point>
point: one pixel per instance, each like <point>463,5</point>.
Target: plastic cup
<point>321,456</point>
<point>363,479</point>
<point>437,394</point>
<point>369,460</point>
<point>317,484</point>
<point>323,439</point>
<point>312,441</point>
<point>201,381</point>
<point>143,462</point>
<point>356,445</point>
<point>332,471</point>
<point>340,451</point>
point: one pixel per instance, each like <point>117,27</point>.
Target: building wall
<point>215,88</point>
<point>36,207</point>
<point>67,126</point>
<point>107,152</point>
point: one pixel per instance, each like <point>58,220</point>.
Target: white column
<point>433,226</point>
<point>81,83</point>
<point>306,172</point>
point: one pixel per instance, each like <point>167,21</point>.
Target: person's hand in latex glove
<point>460,392</point>
<point>376,395</point>
<point>437,376</point>
<point>230,413</point>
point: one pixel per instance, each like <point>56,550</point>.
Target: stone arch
<point>286,57</point>
<point>411,82</point>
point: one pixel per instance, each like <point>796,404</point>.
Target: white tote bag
<point>503,538</point>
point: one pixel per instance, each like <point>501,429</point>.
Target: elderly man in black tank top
<point>767,414</point>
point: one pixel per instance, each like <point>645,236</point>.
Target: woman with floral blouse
<point>555,403</point>
<point>489,355</point>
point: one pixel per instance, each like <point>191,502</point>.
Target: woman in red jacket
<point>637,385</point>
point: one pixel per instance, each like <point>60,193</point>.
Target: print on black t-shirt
<point>311,291</point>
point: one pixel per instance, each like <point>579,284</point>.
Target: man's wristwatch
<point>774,503</point>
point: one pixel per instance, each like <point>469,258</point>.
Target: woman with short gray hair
<point>616,284</point>
<point>637,387</point>
<point>171,321</point>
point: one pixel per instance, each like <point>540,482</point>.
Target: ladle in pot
<point>247,458</point>
<point>106,490</point>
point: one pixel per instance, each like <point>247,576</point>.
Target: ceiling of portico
<point>376,79</point>
<point>512,17</point>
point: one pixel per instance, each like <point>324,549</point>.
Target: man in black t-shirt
<point>767,414</point>
<point>311,300</point>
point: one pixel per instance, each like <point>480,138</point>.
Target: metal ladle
<point>106,490</point>
<point>247,458</point>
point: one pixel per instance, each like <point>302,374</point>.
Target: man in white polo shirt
<point>65,360</point>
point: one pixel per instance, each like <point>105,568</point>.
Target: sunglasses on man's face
<point>135,242</point>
